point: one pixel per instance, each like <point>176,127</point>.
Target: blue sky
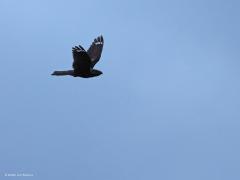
<point>166,106</point>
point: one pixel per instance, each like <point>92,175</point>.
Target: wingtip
<point>101,38</point>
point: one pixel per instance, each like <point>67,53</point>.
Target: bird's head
<point>95,72</point>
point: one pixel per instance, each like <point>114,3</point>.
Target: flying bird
<point>84,61</point>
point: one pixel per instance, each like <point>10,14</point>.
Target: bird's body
<point>84,61</point>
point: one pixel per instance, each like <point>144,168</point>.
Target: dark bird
<point>84,61</point>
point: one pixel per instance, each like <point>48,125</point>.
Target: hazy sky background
<point>166,107</point>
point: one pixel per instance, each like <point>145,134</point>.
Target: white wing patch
<point>97,43</point>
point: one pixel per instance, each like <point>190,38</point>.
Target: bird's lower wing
<point>82,62</point>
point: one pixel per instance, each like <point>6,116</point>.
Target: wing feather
<point>95,50</point>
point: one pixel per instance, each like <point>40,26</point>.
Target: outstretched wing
<point>95,50</point>
<point>81,60</point>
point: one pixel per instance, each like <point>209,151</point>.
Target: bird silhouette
<point>84,61</point>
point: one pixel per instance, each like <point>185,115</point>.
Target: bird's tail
<point>62,73</point>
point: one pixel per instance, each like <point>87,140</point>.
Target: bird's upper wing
<point>95,50</point>
<point>81,60</point>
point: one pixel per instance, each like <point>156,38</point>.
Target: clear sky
<point>166,107</point>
